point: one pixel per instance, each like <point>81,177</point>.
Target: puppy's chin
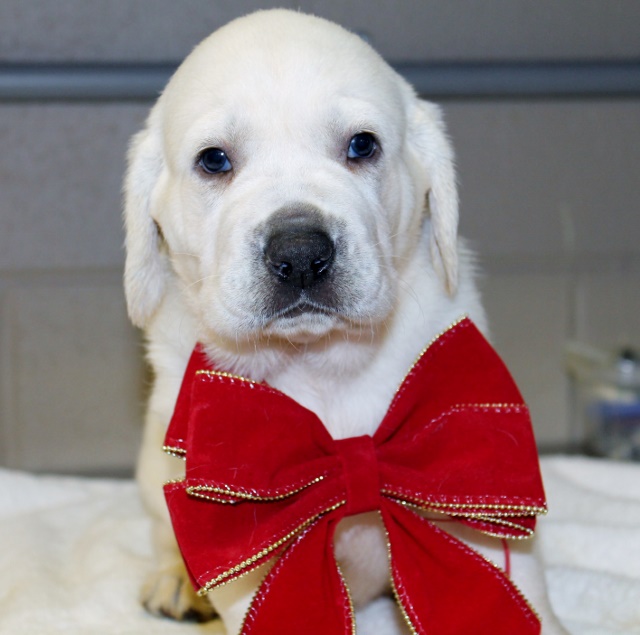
<point>291,329</point>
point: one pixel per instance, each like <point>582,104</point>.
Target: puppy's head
<point>286,177</point>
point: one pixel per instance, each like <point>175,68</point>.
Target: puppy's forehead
<point>278,62</point>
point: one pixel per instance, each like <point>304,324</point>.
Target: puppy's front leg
<point>232,600</point>
<point>167,590</point>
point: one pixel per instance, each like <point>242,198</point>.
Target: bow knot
<point>264,478</point>
<point>360,472</point>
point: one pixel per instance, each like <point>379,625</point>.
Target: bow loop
<point>247,464</point>
<point>437,470</point>
<point>232,467</point>
<point>458,367</point>
<point>220,542</point>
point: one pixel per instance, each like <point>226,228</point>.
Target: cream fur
<point>282,93</point>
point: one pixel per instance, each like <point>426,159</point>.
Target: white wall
<point>550,195</point>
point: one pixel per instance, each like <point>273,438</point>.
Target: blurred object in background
<point>607,400</point>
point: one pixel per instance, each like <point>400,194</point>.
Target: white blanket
<point>73,553</point>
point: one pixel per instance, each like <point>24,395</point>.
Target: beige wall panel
<point>431,30</point>
<point>528,318</point>
<point>418,30</point>
<point>608,310</point>
<point>111,30</point>
<point>77,379</point>
<point>61,169</point>
<point>555,179</point>
<point>6,438</point>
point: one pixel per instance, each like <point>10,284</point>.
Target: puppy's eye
<point>362,146</point>
<point>214,161</point>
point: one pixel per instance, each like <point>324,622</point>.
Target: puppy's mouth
<point>303,308</point>
<point>303,321</point>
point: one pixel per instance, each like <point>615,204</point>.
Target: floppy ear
<point>429,140</point>
<point>146,267</point>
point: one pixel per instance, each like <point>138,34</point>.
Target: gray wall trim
<point>455,81</point>
<point>83,82</point>
<point>525,80</point>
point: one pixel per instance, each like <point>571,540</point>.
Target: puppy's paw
<point>168,593</point>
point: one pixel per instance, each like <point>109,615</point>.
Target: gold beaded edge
<point>179,453</point>
<point>196,491</point>
<point>428,346</point>
<point>244,567</point>
<point>219,373</point>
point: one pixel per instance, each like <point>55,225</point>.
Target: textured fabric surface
<point>73,553</point>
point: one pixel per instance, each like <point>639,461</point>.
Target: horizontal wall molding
<point>83,82</point>
<point>525,80</point>
<point>452,81</point>
<point>553,264</point>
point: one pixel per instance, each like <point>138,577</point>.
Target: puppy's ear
<point>429,140</point>
<point>146,267</point>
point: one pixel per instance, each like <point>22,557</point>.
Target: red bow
<point>264,477</point>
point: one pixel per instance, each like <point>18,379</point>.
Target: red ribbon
<point>264,478</point>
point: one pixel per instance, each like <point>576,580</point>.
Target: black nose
<point>299,256</point>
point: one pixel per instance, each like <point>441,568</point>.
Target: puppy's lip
<point>304,307</point>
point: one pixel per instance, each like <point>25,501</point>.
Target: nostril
<point>282,269</point>
<point>320,265</point>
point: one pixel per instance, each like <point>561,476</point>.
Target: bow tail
<point>304,592</point>
<point>445,587</point>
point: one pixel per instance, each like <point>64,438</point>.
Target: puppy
<point>291,204</point>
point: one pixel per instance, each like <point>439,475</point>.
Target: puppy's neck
<point>262,359</point>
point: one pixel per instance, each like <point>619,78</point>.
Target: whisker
<point>184,253</point>
<point>199,280</point>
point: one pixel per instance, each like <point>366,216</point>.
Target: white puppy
<point>291,204</point>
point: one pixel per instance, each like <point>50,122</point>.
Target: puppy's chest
<point>347,407</point>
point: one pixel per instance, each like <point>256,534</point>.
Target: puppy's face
<point>288,192</point>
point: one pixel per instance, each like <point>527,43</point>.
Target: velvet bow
<point>264,477</point>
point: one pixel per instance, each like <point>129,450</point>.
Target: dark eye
<point>214,161</point>
<point>362,146</point>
